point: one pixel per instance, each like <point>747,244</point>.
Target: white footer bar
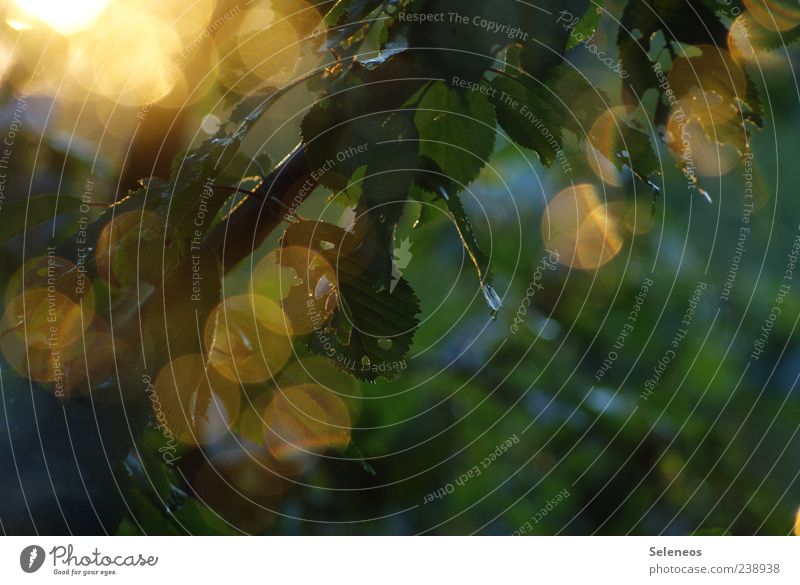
<point>406,561</point>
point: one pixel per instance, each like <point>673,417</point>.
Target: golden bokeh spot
<point>129,52</point>
<point>607,144</point>
<point>304,16</point>
<point>774,15</point>
<point>585,232</point>
<point>248,339</point>
<point>56,275</point>
<point>271,280</point>
<point>191,84</point>
<point>319,370</point>
<point>129,56</point>
<point>306,420</point>
<point>743,48</point>
<point>688,139</point>
<point>188,18</point>
<point>602,167</point>
<point>193,402</point>
<point>257,47</point>
<point>599,239</point>
<point>708,111</point>
<point>39,364</point>
<point>138,245</point>
<point>720,118</point>
<point>40,335</point>
<point>43,364</point>
<point>739,43</point>
<point>713,71</point>
<point>40,60</point>
<point>69,372</point>
<point>43,318</point>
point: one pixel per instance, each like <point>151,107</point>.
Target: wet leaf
<point>352,336</point>
<point>456,132</point>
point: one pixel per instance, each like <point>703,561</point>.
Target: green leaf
<point>578,101</point>
<point>533,114</point>
<point>714,66</point>
<point>446,47</point>
<point>350,195</point>
<point>147,513</point>
<point>342,136</point>
<point>353,127</point>
<point>587,25</point>
<point>157,505</point>
<point>390,175</point>
<point>527,116</point>
<point>354,10</point>
<point>547,22</point>
<point>769,40</point>
<point>432,207</point>
<point>151,466</point>
<point>476,255</point>
<point>335,143</point>
<point>197,518</point>
<point>348,25</point>
<point>19,215</point>
<point>456,132</point>
<point>364,332</point>
<point>754,103</point>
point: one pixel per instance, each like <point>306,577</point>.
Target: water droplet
<point>655,188</point>
<point>492,298</point>
<point>324,286</point>
<point>385,344</point>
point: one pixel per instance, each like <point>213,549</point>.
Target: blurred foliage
<point>242,375</point>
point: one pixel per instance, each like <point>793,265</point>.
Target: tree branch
<point>279,196</point>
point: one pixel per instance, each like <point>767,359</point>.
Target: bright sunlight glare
<point>64,17</point>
